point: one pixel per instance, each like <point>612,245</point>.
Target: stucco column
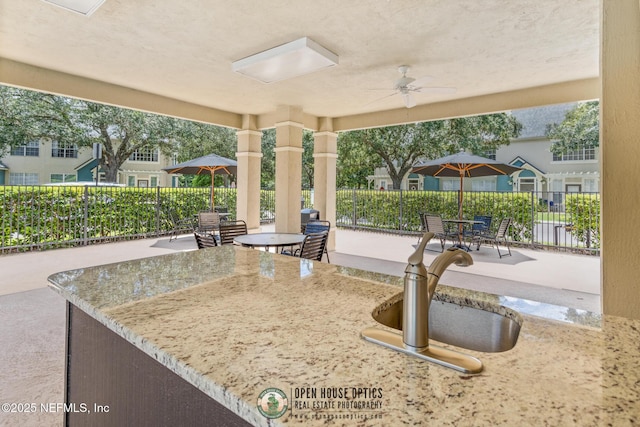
<point>288,174</point>
<point>620,157</point>
<point>248,175</point>
<point>325,148</point>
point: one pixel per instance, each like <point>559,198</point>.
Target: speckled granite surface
<point>235,321</point>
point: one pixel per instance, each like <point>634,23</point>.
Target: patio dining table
<point>461,224</point>
<point>270,240</point>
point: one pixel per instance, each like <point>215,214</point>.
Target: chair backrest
<point>229,230</point>
<point>208,221</point>
<point>316,226</point>
<point>486,223</point>
<point>205,240</point>
<point>502,229</point>
<point>434,224</point>
<point>313,246</point>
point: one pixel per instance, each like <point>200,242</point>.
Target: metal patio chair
<point>229,230</point>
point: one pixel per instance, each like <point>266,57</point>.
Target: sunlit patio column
<point>289,171</point>
<point>325,149</point>
<point>248,178</point>
<point>620,157</point>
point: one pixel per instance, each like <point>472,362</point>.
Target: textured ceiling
<point>184,49</point>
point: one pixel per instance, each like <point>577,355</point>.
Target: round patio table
<point>270,240</point>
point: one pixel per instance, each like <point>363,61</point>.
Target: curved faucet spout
<point>440,264</point>
<point>419,287</point>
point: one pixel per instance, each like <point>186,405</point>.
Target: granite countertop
<point>235,321</point>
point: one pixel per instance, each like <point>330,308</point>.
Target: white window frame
<point>24,178</point>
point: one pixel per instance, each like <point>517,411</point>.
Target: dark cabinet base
<point>109,382</point>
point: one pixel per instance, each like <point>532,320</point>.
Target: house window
<point>31,149</point>
<point>23,178</point>
<point>450,184</point>
<point>582,153</point>
<point>487,184</point>
<point>63,177</point>
<point>144,155</point>
<point>154,181</point>
<point>527,184</point>
<point>590,185</point>
<point>131,181</point>
<point>490,153</point>
<point>64,150</point>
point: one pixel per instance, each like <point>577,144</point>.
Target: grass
<point>551,216</point>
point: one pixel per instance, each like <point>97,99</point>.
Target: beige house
<point>48,162</point>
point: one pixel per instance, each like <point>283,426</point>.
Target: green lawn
<point>551,216</point>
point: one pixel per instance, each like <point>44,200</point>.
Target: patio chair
<point>317,226</point>
<point>313,246</point>
<point>229,230</point>
<point>499,237</point>
<point>205,240</point>
<point>208,222</point>
<point>434,224</point>
<point>479,230</point>
<point>179,224</point>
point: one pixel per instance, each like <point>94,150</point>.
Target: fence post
<point>86,215</point>
<point>533,217</point>
<point>353,202</point>
<point>401,223</point>
<point>158,211</point>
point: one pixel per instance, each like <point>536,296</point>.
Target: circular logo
<point>272,403</point>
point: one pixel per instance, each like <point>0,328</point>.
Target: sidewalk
<point>551,277</point>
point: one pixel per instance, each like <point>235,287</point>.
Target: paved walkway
<point>32,317</point>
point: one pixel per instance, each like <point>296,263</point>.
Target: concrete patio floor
<point>32,316</point>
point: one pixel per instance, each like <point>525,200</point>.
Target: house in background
<point>51,162</point>
<point>542,171</point>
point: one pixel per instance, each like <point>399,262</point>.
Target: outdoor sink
<point>459,325</point>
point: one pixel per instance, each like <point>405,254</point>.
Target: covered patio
<point>171,59</point>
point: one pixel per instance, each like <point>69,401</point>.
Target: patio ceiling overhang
<point>169,58</point>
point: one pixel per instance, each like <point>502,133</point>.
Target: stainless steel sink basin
<point>462,326</point>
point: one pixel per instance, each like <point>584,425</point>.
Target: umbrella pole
<point>460,225</point>
<point>212,190</point>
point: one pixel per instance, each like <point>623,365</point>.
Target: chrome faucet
<point>419,287</point>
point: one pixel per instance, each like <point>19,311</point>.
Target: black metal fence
<point>43,217</point>
<point>555,220</point>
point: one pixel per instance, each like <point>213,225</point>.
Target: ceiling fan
<point>405,86</point>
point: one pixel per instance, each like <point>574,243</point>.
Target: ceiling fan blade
<point>422,80</point>
<point>442,90</point>
<point>384,97</point>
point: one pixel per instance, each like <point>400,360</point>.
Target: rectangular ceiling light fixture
<point>293,59</point>
<point>83,7</point>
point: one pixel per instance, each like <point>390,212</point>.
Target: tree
<point>200,139</point>
<point>355,162</point>
<point>580,128</point>
<point>27,116</point>
<point>400,147</point>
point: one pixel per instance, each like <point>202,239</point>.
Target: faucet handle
<point>417,257</point>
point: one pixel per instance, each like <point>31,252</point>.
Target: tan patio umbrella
<point>463,165</point>
<point>210,164</point>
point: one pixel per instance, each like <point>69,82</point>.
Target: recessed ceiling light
<point>83,7</point>
<point>293,59</point>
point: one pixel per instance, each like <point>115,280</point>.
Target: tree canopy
<point>27,116</point>
<point>398,148</point>
<point>580,128</point>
